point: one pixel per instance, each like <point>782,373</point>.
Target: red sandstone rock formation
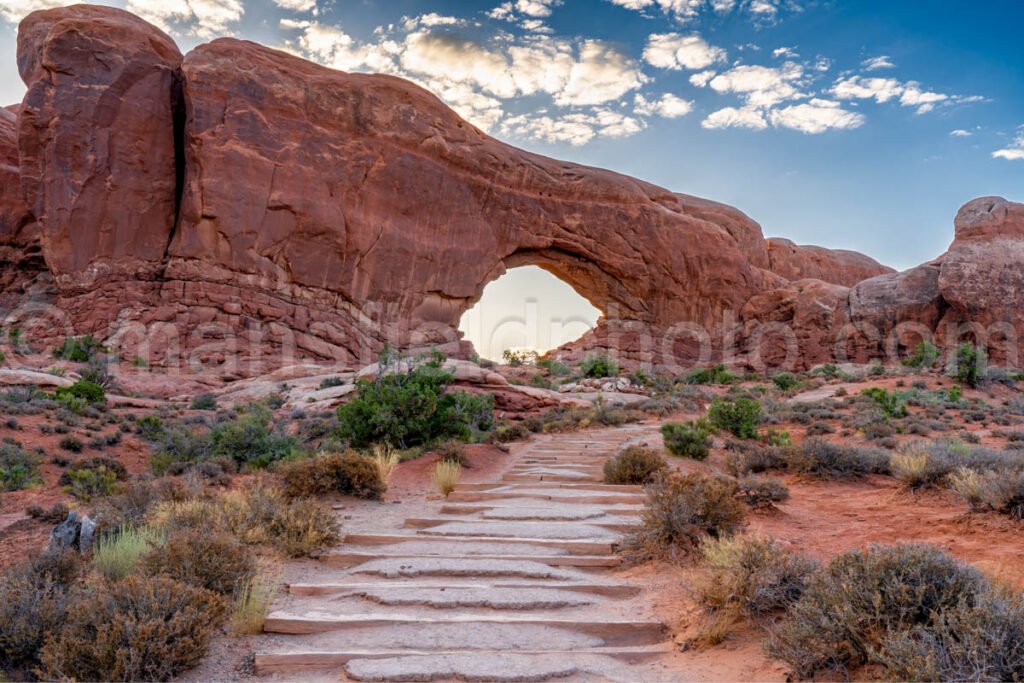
<point>300,212</point>
<point>96,137</point>
<point>838,266</point>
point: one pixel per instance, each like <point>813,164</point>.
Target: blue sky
<point>857,124</point>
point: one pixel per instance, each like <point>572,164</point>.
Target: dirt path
<point>508,580</point>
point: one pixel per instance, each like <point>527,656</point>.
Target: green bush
<point>250,439</point>
<point>892,404</point>
<point>851,610</point>
<point>72,443</point>
<point>598,366</point>
<point>925,355</point>
<point>411,407</point>
<point>19,469</point>
<point>78,349</point>
<point>633,465</point>
<point>970,365</point>
<point>716,374</point>
<point>687,439</point>
<point>85,390</point>
<point>149,427</point>
<point>204,402</point>
<point>350,473</point>
<point>98,463</point>
<point>215,561</point>
<point>682,510</point>
<point>138,629</point>
<point>741,417</point>
<point>785,380</point>
<point>87,484</point>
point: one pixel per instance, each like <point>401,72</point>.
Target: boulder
<point>97,141</point>
<point>837,266</point>
<point>74,533</point>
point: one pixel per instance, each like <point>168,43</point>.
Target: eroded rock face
<point>96,139</point>
<point>838,266</point>
<point>16,222</point>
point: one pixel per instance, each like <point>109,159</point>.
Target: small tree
<point>740,417</point>
<point>970,365</point>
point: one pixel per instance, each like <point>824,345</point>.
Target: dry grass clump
<point>453,450</point>
<point>446,476</point>
<point>137,629</point>
<point>252,602</point>
<point>385,459</point>
<point>682,510</point>
<point>1001,492</point>
<point>751,578</point>
<point>762,493</point>
<point>634,465</point>
<point>912,608</point>
<point>351,473</point>
<point>118,554</point>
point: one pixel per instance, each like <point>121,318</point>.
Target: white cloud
<point>762,11</point>
<point>703,78</point>
<point>201,18</point>
<point>879,62</point>
<point>761,86</point>
<point>296,5</point>
<point>732,117</point>
<point>332,47</point>
<point>675,51</point>
<point>787,52</point>
<point>1014,151</point>
<point>15,10</point>
<point>574,128</point>
<point>860,88</point>
<point>925,101</point>
<point>668,106</point>
<point>960,133</point>
<point>455,58</point>
<point>535,8</point>
<point>601,74</point>
<point>815,116</point>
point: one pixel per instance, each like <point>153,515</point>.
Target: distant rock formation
<point>240,202</point>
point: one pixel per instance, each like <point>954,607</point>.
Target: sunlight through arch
<point>527,308</point>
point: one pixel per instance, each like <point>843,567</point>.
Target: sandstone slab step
<point>575,546</point>
<point>606,589</point>
<point>345,559</point>
<point>396,567</point>
<point>550,530</point>
<point>512,525</point>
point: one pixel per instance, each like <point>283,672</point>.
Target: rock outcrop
<point>97,142</point>
<point>837,266</point>
<point>242,203</point>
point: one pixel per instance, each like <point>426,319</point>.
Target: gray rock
<point>65,534</point>
<point>86,534</point>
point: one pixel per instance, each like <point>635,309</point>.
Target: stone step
<point>613,632</point>
<point>499,529</point>
<point>388,596</point>
<point>399,567</point>
<point>560,495</point>
<point>533,511</point>
<point>575,546</point>
<point>609,590</point>
<point>582,486</point>
<point>501,526</point>
<point>551,476</point>
<point>345,559</point>
<point>297,661</point>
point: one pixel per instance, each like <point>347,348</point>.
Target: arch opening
<point>527,308</point>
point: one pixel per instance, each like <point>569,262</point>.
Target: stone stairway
<point>506,581</point>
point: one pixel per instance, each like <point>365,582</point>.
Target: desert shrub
<point>820,429</point>
<point>19,469</point>
<point>863,598</point>
<point>176,448</point>
<point>204,402</point>
<point>128,505</point>
<point>833,461</point>
<point>54,515</point>
<point>555,368</point>
<point>250,439</point>
<point>762,492</point>
<point>1001,492</point>
<point>633,465</point>
<point>138,629</point>
<point>452,450</point>
<point>749,577</point>
<point>970,365</point>
<point>741,417</point>
<point>925,355</point>
<point>328,382</point>
<point>215,561</point>
<point>744,458</point>
<point>90,392</point>
<point>599,365</point>
<point>687,439</point>
<point>778,438</point>
<point>86,484</point>
<point>350,473</point>
<point>118,554</point>
<point>149,427</point>
<point>303,528</point>
<point>892,404</point>
<point>33,602</point>
<point>72,443</point>
<point>785,380</point>
<point>412,407</point>
<point>505,432</point>
<point>680,511</point>
<point>97,463</point>
<point>716,374</point>
<point>78,349</point>
<point>977,640</point>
